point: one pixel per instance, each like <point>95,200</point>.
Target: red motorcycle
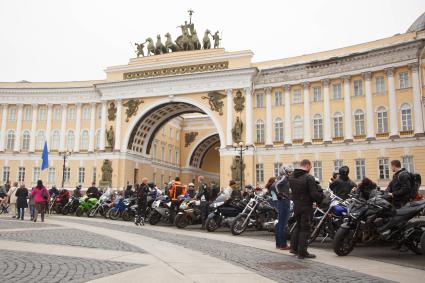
<point>57,202</point>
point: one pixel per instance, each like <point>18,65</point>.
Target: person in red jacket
<point>41,197</point>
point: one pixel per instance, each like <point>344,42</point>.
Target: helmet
<point>191,185</point>
<point>151,185</point>
<point>344,170</point>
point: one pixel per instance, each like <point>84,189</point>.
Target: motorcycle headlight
<point>217,204</point>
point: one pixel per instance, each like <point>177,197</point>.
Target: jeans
<point>283,208</point>
<point>21,212</point>
<point>32,210</point>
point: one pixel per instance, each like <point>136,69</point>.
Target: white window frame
<point>360,169</point>
<point>382,120</point>
<point>259,172</point>
<point>12,114</point>
<point>297,96</point>
<point>259,100</point>
<point>67,175</point>
<point>85,137</point>
<point>338,163</point>
<point>383,168</point>
<point>259,130</point>
<point>338,125</point>
<point>337,91</point>
<point>406,117</point>
<point>10,140</point>
<point>26,139</point>
<point>359,122</point>
<point>278,98</point>
<point>278,130</point>
<point>298,127</point>
<point>6,174</point>
<point>358,87</point>
<point>21,174</point>
<point>51,176</point>
<point>317,94</point>
<point>36,172</point>
<point>317,126</point>
<point>408,163</point>
<point>81,175</point>
<point>379,84</point>
<point>318,169</point>
<point>276,167</point>
<point>403,80</point>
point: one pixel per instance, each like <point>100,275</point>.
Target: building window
<point>379,84</point>
<point>178,135</point>
<point>403,79</point>
<point>171,133</point>
<point>86,113</point>
<point>360,169</point>
<point>36,174</point>
<point>170,154</point>
<point>42,113</point>
<point>85,140</point>
<point>57,113</point>
<point>317,170</point>
<point>177,157</point>
<point>70,140</point>
<point>51,176</point>
<point>67,175</point>
<point>337,93</point>
<point>260,131</point>
<point>317,93</point>
<point>26,140</point>
<point>278,98</point>
<point>384,171</point>
<point>94,176</point>
<point>259,172</point>
<point>407,162</point>
<point>163,131</point>
<point>55,140</point>
<point>27,114</point>
<point>406,118</point>
<point>317,127</point>
<point>154,149</point>
<point>338,125</point>
<point>81,174</point>
<point>358,87</point>
<point>359,122</point>
<point>12,114</point>
<point>278,130</point>
<point>298,127</point>
<point>277,166</point>
<point>10,144</point>
<point>21,174</point>
<point>297,98</point>
<point>41,138</point>
<point>154,178</point>
<point>163,153</point>
<point>259,100</point>
<point>338,163</point>
<point>382,118</point>
<point>6,174</point>
<point>71,113</point>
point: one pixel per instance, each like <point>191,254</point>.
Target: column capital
<point>367,76</point>
<point>20,105</point>
<point>34,105</point>
<point>389,71</point>
<point>78,104</point>
<point>93,104</point>
<point>287,87</point>
<point>325,82</point>
<point>305,84</point>
<point>414,67</point>
<point>248,90</point>
<point>268,90</point>
<point>346,79</point>
<point>229,91</point>
<point>49,105</point>
<point>64,105</point>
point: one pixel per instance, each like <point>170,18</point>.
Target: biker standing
<point>204,196</point>
<point>342,185</point>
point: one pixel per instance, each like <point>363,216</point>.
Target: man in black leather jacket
<point>399,187</point>
<point>304,193</point>
<point>342,185</point>
<point>93,191</point>
<point>204,196</point>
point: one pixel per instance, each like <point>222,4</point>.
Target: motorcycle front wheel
<point>155,218</point>
<point>79,212</point>
<point>91,212</point>
<point>65,210</point>
<point>212,224</point>
<point>182,220</point>
<point>416,241</point>
<point>239,224</point>
<point>343,243</point>
<point>126,216</point>
<point>114,214</point>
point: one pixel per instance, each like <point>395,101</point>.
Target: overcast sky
<point>60,40</point>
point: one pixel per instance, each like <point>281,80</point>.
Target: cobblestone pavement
<point>33,267</point>
<point>278,267</point>
<point>18,224</point>
<point>69,237</point>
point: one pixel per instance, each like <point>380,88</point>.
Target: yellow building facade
<point>175,114</point>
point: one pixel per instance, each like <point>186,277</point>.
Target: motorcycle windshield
<point>221,198</point>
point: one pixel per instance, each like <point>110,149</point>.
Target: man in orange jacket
<point>177,189</point>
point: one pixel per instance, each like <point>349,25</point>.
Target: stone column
<point>92,126</point>
<point>392,103</point>
<point>327,136</point>
<point>49,125</point>
<point>370,129</point>
<point>77,128</point>
<point>307,118</point>
<point>17,146</point>
<point>229,117</point>
<point>63,129</point>
<point>348,121</point>
<point>417,103</point>
<point>269,118</point>
<point>248,113</point>
<point>288,124</point>
<point>117,146</point>
<point>103,126</point>
<point>33,128</point>
<point>3,133</point>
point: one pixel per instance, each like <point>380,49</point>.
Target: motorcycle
<point>71,206</point>
<point>86,204</point>
<point>122,209</point>
<point>377,219</point>
<point>223,212</point>
<point>101,206</point>
<point>161,210</point>
<point>189,213</point>
<point>258,213</point>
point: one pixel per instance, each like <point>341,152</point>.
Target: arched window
<point>382,118</point>
<point>338,125</point>
<point>97,140</point>
<point>359,122</point>
<point>10,144</point>
<point>70,140</point>
<point>260,131</point>
<point>26,140</point>
<point>406,117</point>
<point>317,127</point>
<point>55,140</point>
<point>278,130</point>
<point>39,141</point>
<point>298,128</point>
<point>84,140</point>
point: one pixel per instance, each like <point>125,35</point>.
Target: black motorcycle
<point>71,206</point>
<point>377,219</point>
<point>161,210</point>
<point>224,211</point>
<point>189,213</point>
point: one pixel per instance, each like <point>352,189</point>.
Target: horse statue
<point>150,47</point>
<point>206,40</point>
<point>169,44</point>
<point>159,47</point>
<point>195,41</point>
<point>185,42</point>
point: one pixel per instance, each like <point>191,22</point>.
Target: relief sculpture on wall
<point>132,107</point>
<point>189,138</point>
<point>215,101</point>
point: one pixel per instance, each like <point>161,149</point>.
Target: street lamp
<point>65,156</point>
<point>241,148</point>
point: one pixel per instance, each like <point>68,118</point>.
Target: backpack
<point>415,180</point>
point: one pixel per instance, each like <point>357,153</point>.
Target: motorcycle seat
<point>406,210</point>
<point>416,203</point>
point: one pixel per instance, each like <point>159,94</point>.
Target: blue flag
<point>45,157</point>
